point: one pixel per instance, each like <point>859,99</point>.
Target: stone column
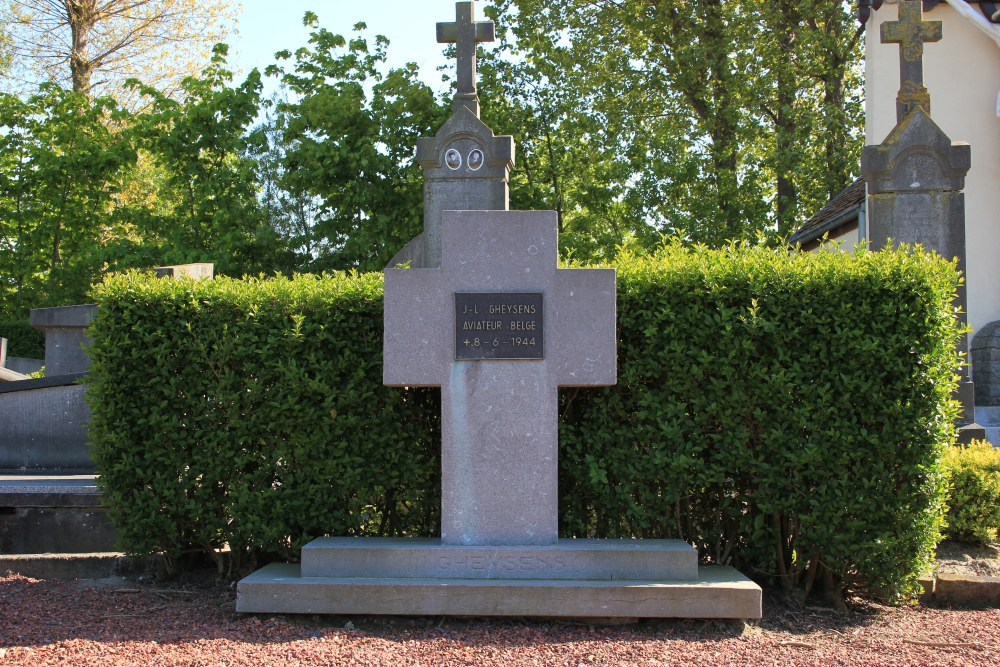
<point>66,338</point>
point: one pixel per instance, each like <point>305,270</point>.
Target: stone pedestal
<point>53,514</point>
<point>65,337</point>
<point>572,578</point>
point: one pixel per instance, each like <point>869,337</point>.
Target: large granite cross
<point>499,328</point>
<point>910,32</point>
<point>466,32</point>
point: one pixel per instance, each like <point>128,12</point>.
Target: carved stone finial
<point>910,32</point>
<point>466,32</point>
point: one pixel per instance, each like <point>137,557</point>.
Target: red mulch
<point>73,623</point>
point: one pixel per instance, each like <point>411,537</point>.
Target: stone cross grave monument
<point>499,328</point>
<point>915,179</point>
<point>494,323</point>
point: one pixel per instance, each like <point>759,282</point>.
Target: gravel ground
<point>122,623</point>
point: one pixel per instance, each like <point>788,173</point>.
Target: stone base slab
<point>393,558</point>
<point>31,530</point>
<point>964,591</point>
<point>49,490</point>
<point>718,592</point>
<point>67,566</point>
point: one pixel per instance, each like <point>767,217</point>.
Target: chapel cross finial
<point>910,32</point>
<point>466,32</point>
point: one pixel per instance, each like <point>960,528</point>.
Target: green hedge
<point>785,413</point>
<point>252,413</point>
<point>22,339</point>
<point>973,473</point>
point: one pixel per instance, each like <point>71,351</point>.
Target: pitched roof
<point>840,210</point>
<point>989,7</point>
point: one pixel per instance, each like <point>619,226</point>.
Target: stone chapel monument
<point>916,177</point>
<point>477,306</point>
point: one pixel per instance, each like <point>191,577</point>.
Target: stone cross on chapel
<point>910,32</point>
<point>465,32</point>
<point>499,328</point>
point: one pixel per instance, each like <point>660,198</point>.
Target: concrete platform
<point>718,592</point>
<point>965,591</point>
<point>367,557</point>
<point>53,514</point>
<point>49,490</point>
<point>572,578</point>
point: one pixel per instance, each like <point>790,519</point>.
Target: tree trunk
<point>80,15</point>
<point>722,123</point>
<point>786,206</point>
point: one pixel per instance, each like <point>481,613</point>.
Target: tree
<point>563,162</point>
<point>60,170</point>
<point>293,210</point>
<point>351,153</point>
<point>4,51</point>
<point>714,107</point>
<point>96,45</point>
<point>204,152</point>
<point>810,52</point>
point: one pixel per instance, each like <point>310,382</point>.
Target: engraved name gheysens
<point>498,325</point>
<point>552,563</point>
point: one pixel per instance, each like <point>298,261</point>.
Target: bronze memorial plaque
<point>498,325</point>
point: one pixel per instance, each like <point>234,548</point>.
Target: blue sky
<point>267,26</point>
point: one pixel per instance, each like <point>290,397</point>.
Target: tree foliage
<point>87,187</point>
<point>60,170</point>
<point>207,208</point>
<point>564,161</point>
<point>94,46</point>
<point>728,119</point>
<point>704,120</point>
<point>348,136</point>
<point>5,48</point>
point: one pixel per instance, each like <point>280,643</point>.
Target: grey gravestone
<point>485,313</point>
<point>985,352</point>
<point>45,420</point>
<point>48,501</point>
<point>465,166</point>
<point>916,175</point>
<point>474,326</point>
<point>44,425</point>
